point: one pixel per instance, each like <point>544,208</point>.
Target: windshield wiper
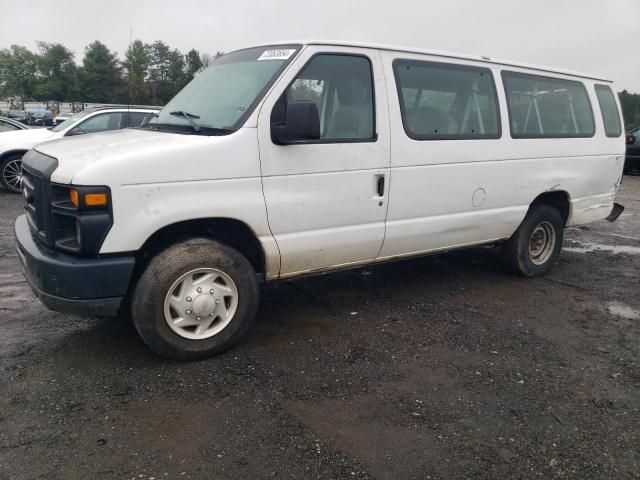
<point>190,118</point>
<point>219,131</point>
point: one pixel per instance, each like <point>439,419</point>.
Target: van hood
<point>24,139</point>
<point>78,153</point>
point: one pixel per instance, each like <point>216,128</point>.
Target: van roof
<point>459,56</point>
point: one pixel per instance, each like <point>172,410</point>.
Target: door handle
<point>380,185</point>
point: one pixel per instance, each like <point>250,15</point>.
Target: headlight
<point>81,217</point>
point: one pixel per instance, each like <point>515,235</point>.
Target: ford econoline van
<point>287,160</point>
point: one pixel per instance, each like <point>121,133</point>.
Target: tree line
<point>630,103</point>
<point>149,74</point>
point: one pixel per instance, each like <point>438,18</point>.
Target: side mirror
<point>76,131</point>
<point>303,123</point>
<point>631,139</point>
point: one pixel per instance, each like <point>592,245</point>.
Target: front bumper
<point>70,284</point>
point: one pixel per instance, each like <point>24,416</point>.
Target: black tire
<point>8,173</point>
<point>147,303</point>
<point>516,253</point>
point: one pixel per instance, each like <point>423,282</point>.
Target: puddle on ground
<point>588,247</point>
<point>624,311</point>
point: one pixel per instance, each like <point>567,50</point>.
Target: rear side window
<point>609,110</point>
<point>545,107</point>
<point>441,101</point>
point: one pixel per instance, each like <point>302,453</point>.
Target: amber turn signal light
<point>74,198</point>
<point>89,199</point>
<point>95,199</point>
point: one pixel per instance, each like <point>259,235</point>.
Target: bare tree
<point>206,58</point>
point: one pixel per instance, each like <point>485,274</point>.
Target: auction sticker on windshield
<point>277,54</point>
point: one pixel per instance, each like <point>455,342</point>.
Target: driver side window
<point>341,87</point>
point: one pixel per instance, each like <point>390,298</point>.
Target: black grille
<point>36,174</point>
<point>34,188</point>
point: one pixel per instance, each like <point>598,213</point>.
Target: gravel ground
<point>440,367</point>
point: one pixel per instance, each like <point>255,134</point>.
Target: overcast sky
<point>594,36</point>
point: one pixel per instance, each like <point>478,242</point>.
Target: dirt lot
<point>441,367</point>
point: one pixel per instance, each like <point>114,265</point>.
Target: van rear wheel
<point>194,300</point>
<point>535,246</point>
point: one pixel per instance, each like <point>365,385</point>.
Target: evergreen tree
<point>136,65</point>
<point>101,74</point>
<point>159,53</point>
<point>193,63</point>
<point>176,76</point>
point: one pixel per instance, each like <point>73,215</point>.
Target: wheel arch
<point>558,199</point>
<point>229,231</point>
<point>10,153</point>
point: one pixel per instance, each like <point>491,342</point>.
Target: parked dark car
<point>42,118</point>
<point>19,116</point>
<point>11,125</point>
<point>632,160</point>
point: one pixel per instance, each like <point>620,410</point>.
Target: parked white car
<point>61,117</point>
<point>13,145</point>
<point>289,160</point>
<point>11,125</point>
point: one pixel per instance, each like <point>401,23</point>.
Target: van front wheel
<point>194,300</point>
<point>535,246</point>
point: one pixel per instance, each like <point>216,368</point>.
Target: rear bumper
<point>70,284</point>
<point>616,211</point>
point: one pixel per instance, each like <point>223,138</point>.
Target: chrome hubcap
<point>542,243</point>
<point>201,303</point>
<point>12,174</point>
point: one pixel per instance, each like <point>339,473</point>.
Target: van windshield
<point>219,99</point>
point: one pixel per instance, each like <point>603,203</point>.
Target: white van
<point>287,160</point>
